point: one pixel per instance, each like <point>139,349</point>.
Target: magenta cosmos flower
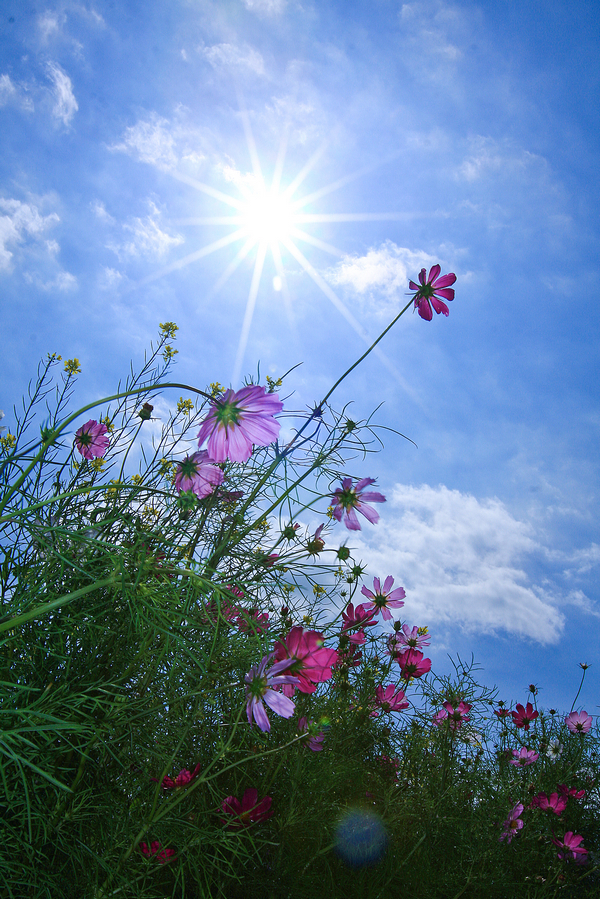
<point>308,658</point>
<point>524,757</point>
<point>181,780</point>
<point>258,688</point>
<point>237,421</point>
<point>578,722</point>
<point>249,810</point>
<point>429,290</point>
<point>513,823</point>
<point>162,855</point>
<point>456,716</point>
<point>390,699</point>
<point>91,439</point>
<point>198,473</point>
<point>412,664</point>
<point>555,802</point>
<point>523,717</point>
<point>384,599</point>
<point>349,500</point>
<point>570,846</point>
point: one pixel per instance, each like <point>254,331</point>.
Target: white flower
<point>554,750</point>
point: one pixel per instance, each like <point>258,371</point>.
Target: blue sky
<point>464,133</point>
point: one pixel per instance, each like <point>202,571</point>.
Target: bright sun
<point>268,217</point>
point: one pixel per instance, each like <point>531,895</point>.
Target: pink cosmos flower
<point>251,621</point>
<point>308,658</point>
<point>456,716</point>
<point>358,618</point>
<point>198,473</point>
<point>502,713</point>
<point>570,846</point>
<point>524,716</point>
<point>316,543</point>
<point>258,688</point>
<point>578,722</point>
<point>91,439</point>
<point>402,641</point>
<point>430,290</point>
<point>314,741</point>
<point>412,664</point>
<point>184,777</point>
<point>524,757</point>
<point>237,421</point>
<point>382,600</point>
<point>162,856</point>
<point>554,803</point>
<point>565,791</point>
<point>350,500</point>
<point>249,811</point>
<point>513,823</point>
<point>390,699</point>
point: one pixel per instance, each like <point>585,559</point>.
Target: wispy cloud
<point>162,143</point>
<point>487,156</point>
<point>232,56</point>
<point>65,105</point>
<point>18,221</point>
<point>146,238</point>
<point>463,562</point>
<point>265,7</point>
<point>12,94</point>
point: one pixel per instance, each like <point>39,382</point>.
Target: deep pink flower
<point>554,803</point>
<point>309,658</point>
<point>578,722</point>
<point>314,741</point>
<point>350,500</point>
<point>570,846</point>
<point>456,717</point>
<point>565,791</point>
<point>258,688</point>
<point>390,699</point>
<point>384,599</point>
<point>316,543</point>
<point>402,641</point>
<point>412,664</point>
<point>184,777</point>
<point>251,621</point>
<point>513,823</point>
<point>524,716</point>
<point>357,618</point>
<point>524,757</point>
<point>237,421</point>
<point>502,713</point>
<point>198,473</point>
<point>91,439</point>
<point>429,291</point>
<point>162,855</point>
<point>249,811</point>
<point>351,657</point>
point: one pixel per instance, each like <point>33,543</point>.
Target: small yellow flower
<point>318,590</point>
<point>216,388</point>
<point>272,384</point>
<point>54,357</point>
<point>72,367</point>
<point>97,464</point>
<point>330,511</point>
<point>169,352</point>
<point>136,479</point>
<point>150,512</point>
<point>109,425</point>
<point>185,406</point>
<point>8,442</point>
<point>168,329</point>
<point>307,619</point>
<point>113,491</point>
<point>422,631</point>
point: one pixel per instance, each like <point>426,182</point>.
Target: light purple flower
<point>513,823</point>
<point>524,757</point>
<point>237,421</point>
<point>258,683</point>
<point>430,289</point>
<point>350,500</point>
<point>407,638</point>
<point>91,439</point>
<point>578,722</point>
<point>198,473</point>
<point>384,599</point>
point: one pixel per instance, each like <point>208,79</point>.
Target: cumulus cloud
<point>63,281</point>
<point>160,142</point>
<point>65,104</point>
<point>18,221</point>
<point>146,238</point>
<point>463,563</point>
<point>232,56</point>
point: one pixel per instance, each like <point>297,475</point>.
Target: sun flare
<point>268,217</point>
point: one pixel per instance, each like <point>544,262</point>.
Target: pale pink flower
<point>456,717</point>
<point>249,811</point>
<point>308,658</point>
<point>91,439</point>
<point>524,757</point>
<point>258,689</point>
<point>405,639</point>
<point>237,421</point>
<point>570,846</point>
<point>348,500</point>
<point>578,722</point>
<point>429,290</point>
<point>198,473</point>
<point>523,717</point>
<point>513,823</point>
<point>390,699</point>
<point>384,599</point>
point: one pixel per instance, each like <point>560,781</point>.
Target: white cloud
<point>19,221</point>
<point>99,210</point>
<point>147,238</point>
<point>162,143</point>
<point>13,94</point>
<point>50,25</point>
<point>232,56</point>
<point>65,105</point>
<point>109,278</point>
<point>63,281</point>
<point>462,562</point>
<point>487,156</point>
<point>265,7</point>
